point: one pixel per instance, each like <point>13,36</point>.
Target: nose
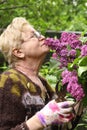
<point>41,38</point>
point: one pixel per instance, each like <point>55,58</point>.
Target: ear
<point>18,53</point>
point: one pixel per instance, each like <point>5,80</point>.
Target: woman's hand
<point>55,112</point>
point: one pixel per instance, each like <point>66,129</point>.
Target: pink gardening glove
<point>55,112</point>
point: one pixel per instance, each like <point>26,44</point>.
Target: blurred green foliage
<point>58,15</point>
<point>46,14</point>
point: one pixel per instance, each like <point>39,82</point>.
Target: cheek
<point>30,51</point>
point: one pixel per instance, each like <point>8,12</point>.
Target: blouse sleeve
<point>12,110</point>
<point>22,126</point>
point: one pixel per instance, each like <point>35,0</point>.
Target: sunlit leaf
<point>81,69</point>
<point>83,61</point>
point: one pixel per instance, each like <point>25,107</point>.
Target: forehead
<point>28,30</point>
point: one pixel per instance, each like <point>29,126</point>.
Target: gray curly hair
<point>12,38</point>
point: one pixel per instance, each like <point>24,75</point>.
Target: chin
<point>46,51</point>
<point>47,48</point>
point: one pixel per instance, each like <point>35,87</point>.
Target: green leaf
<point>75,62</point>
<point>83,39</point>
<point>83,61</point>
<point>81,69</point>
<point>81,124</point>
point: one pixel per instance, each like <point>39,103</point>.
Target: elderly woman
<point>24,95</point>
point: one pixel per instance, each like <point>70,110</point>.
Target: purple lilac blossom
<point>71,79</point>
<point>63,61</point>
<point>65,48</point>
<point>63,52</point>
<point>71,38</point>
<point>68,76</point>
<point>54,56</point>
<point>53,43</point>
<point>75,90</point>
<point>84,50</point>
<point>72,53</point>
<point>60,46</point>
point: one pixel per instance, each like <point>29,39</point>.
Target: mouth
<point>43,44</point>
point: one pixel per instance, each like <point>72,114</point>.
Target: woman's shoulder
<point>13,74</point>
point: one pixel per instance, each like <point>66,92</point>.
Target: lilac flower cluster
<point>72,39</point>
<point>65,52</point>
<point>65,47</point>
<point>71,79</point>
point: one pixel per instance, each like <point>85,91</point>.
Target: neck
<point>27,70</point>
<point>30,69</point>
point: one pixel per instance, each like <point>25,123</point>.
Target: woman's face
<point>33,44</point>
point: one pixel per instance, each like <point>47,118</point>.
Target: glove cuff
<point>41,118</point>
